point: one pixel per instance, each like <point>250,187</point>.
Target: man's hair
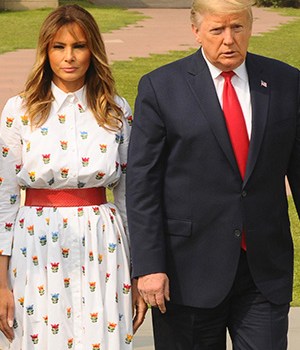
<point>201,7</point>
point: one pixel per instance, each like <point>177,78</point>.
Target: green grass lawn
<point>296,236</point>
<point>282,44</point>
<point>19,30</point>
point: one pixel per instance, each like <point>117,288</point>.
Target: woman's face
<point>69,57</point>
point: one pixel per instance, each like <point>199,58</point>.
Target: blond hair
<point>100,85</point>
<point>202,7</point>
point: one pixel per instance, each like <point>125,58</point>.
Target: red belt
<point>70,197</point>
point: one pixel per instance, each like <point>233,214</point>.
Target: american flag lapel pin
<point>263,83</point>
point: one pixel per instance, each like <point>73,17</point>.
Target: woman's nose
<point>69,55</point>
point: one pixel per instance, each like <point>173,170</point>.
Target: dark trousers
<point>252,321</point>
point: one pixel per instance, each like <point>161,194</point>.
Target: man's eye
<point>216,31</point>
<point>238,28</point>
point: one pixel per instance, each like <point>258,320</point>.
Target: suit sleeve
<point>294,165</point>
<point>145,171</point>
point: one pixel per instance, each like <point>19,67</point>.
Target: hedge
<point>278,3</point>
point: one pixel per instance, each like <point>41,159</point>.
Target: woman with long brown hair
<point>65,265</point>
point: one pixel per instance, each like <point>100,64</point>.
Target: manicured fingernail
<point>10,323</point>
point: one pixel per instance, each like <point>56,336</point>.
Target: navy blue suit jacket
<point>186,201</point>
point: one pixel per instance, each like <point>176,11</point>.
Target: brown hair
<point>100,85</point>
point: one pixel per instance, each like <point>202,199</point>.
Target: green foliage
<point>278,3</point>
<point>83,3</point>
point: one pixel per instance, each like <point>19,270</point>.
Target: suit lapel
<point>203,89</point>
<point>202,86</point>
<point>260,93</point>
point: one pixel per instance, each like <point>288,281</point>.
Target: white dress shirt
<point>241,85</point>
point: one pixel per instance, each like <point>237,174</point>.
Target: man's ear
<point>195,30</point>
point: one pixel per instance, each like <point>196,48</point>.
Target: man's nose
<point>228,36</point>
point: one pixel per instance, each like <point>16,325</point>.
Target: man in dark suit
<point>214,136</point>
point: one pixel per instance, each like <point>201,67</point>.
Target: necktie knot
<point>228,75</point>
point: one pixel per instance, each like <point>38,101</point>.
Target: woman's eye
<point>58,46</point>
<point>80,46</point>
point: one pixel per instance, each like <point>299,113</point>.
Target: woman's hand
<point>7,306</point>
<point>139,307</point>
<point>7,313</point>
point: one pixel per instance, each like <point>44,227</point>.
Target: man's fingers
<point>160,302</point>
<point>151,300</point>
<point>154,289</point>
<point>156,300</point>
<point>167,290</point>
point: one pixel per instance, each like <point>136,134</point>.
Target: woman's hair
<point>100,85</point>
<point>201,7</point>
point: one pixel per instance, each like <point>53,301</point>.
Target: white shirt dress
<point>69,266</point>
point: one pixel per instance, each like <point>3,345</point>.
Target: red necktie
<point>236,127</point>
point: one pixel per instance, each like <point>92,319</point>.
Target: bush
<point>278,3</point>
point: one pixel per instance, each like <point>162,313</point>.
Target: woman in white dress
<point>65,265</point>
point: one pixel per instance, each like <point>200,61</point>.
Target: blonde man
<point>214,136</point>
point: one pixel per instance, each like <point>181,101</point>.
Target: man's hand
<point>154,289</point>
<point>139,307</point>
<point>7,313</point>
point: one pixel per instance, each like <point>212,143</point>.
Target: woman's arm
<point>10,161</point>
<point>6,301</point>
<point>10,166</point>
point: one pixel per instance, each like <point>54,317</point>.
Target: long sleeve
<point>10,165</point>
<point>119,191</point>
<point>144,184</point>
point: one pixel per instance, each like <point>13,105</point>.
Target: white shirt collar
<point>215,72</point>
<point>77,97</point>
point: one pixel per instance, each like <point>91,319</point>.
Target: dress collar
<point>77,98</point>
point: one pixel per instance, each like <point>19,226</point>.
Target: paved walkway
<point>165,30</point>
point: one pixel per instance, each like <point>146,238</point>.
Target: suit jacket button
<point>237,233</point>
<point>244,194</point>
